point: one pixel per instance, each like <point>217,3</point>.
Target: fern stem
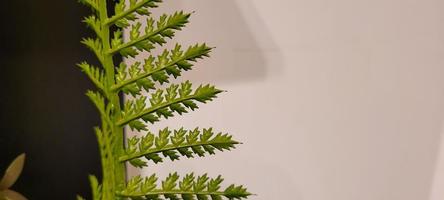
<point>113,170</point>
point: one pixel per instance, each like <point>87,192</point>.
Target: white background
<point>334,100</point>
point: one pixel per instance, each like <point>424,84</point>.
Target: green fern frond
<point>101,105</point>
<point>158,69</point>
<point>124,13</point>
<point>165,102</point>
<point>94,23</point>
<point>95,74</point>
<point>189,188</point>
<point>149,75</point>
<point>154,34</point>
<point>98,100</point>
<point>96,187</point>
<point>182,143</point>
<point>93,4</point>
<point>96,46</point>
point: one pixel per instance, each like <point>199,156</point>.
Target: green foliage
<point>96,75</point>
<point>173,144</point>
<point>93,4</point>
<point>188,188</point>
<point>125,13</point>
<point>96,187</point>
<point>157,69</point>
<point>155,33</point>
<point>93,23</point>
<point>164,100</point>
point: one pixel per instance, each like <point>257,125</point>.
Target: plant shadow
<point>243,44</point>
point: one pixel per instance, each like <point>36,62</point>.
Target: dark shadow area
<point>43,109</point>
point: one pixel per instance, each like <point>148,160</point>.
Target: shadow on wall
<point>436,192</point>
<point>239,34</point>
<point>245,50</point>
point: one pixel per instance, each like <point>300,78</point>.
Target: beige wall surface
<point>334,100</point>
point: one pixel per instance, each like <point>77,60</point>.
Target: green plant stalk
<point>113,170</point>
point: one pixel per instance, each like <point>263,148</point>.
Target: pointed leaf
<point>11,195</point>
<point>13,172</point>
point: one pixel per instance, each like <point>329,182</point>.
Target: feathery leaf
<point>158,69</point>
<point>182,143</point>
<point>94,23</point>
<point>165,102</point>
<point>93,4</point>
<point>95,45</point>
<point>95,74</point>
<point>187,188</point>
<point>124,13</point>
<point>153,34</point>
